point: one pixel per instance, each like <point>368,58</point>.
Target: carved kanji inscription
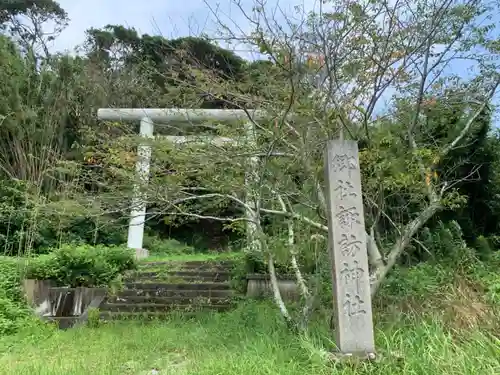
<point>351,274</point>
<point>347,217</point>
<point>347,245</point>
<point>345,189</point>
<point>341,162</point>
<point>354,305</point>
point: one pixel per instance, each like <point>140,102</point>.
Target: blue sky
<point>171,18</point>
<point>167,17</point>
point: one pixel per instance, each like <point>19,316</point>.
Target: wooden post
<point>347,247</point>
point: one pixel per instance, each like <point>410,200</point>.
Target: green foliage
<point>12,315</point>
<point>445,242</point>
<point>93,320</point>
<point>483,248</point>
<point>474,170</point>
<point>258,263</point>
<point>487,274</point>
<point>53,151</point>
<point>15,209</point>
<point>94,230</point>
<point>168,64</point>
<point>10,278</point>
<point>434,278</point>
<point>419,281</point>
<point>448,257</point>
<point>159,246</point>
<point>28,224</point>
<point>82,265</point>
<point>46,9</point>
<point>241,267</point>
<point>13,311</point>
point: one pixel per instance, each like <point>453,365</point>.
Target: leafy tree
<point>165,62</point>
<point>25,21</point>
<point>403,155</point>
<point>429,157</point>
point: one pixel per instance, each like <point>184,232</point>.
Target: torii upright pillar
<point>138,210</point>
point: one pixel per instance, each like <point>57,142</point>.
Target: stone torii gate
<point>147,117</point>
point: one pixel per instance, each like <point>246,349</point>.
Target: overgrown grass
<point>429,319</point>
<point>249,340</point>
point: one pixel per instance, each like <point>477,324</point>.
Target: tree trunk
<point>409,231</point>
<point>276,292</point>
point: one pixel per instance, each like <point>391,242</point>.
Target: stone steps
<point>193,265</point>
<point>177,300</point>
<point>157,289</point>
<point>185,276</point>
<point>149,316</point>
<point>65,322</point>
<point>164,286</point>
<point>158,307</point>
<point>172,286</point>
<point>187,293</point>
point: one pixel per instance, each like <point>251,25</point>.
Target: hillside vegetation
<point>388,76</point>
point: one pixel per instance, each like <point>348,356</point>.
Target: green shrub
<point>95,229</point>
<point>416,282</point>
<point>158,246</point>
<point>484,248</point>
<point>17,218</point>
<point>29,223</point>
<point>257,263</point>
<point>486,273</point>
<point>10,278</point>
<point>12,308</point>
<point>12,314</point>
<point>445,242</point>
<point>82,265</point>
<point>94,319</point>
<point>70,265</point>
